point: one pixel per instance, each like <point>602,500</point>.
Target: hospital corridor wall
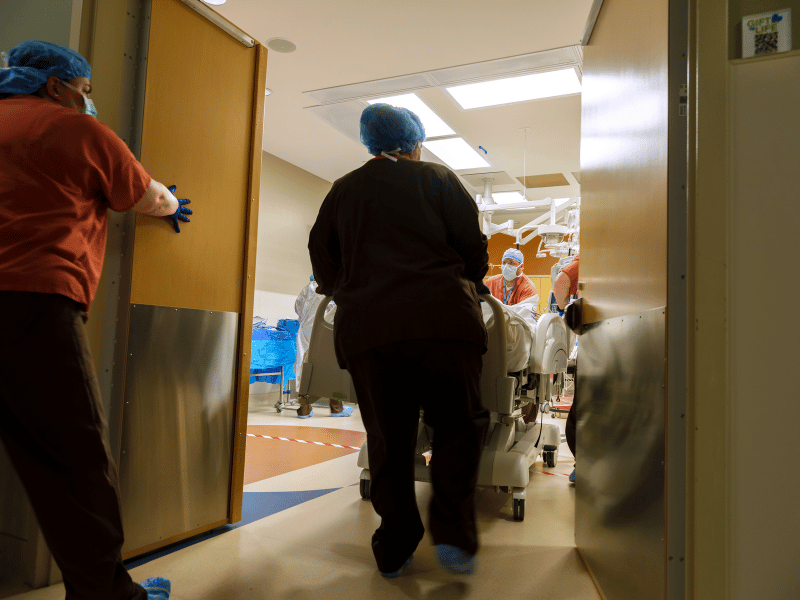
<point>765,196</point>
<point>290,201</point>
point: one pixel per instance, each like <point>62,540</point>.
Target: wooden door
<point>186,392</point>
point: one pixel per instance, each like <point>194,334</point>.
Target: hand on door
<point>181,212</point>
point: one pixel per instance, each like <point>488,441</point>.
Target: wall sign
<point>767,33</point>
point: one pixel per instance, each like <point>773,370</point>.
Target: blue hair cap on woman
<point>32,63</point>
<point>385,128</point>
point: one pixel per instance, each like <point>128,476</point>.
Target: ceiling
<point>350,42</point>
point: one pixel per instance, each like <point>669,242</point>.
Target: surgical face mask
<point>509,271</point>
<point>88,105</point>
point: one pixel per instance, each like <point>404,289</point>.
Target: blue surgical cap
<point>32,63</point>
<point>515,254</point>
<point>385,128</point>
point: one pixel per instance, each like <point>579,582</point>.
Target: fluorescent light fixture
<point>517,89</point>
<point>434,126</point>
<point>456,153</point>
<point>507,197</point>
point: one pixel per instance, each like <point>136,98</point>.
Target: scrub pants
<point>392,383</point>
<point>572,418</point>
<point>55,433</point>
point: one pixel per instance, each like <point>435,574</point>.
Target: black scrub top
<point>399,247</point>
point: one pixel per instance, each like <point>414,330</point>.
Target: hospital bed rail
<point>511,446</point>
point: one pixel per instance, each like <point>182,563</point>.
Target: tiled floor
<point>319,549</point>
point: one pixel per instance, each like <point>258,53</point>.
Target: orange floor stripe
<point>266,458</point>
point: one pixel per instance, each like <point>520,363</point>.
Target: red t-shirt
<point>571,271</point>
<point>60,172</point>
<point>523,289</point>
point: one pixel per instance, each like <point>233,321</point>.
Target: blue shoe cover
<point>572,476</point>
<point>308,416</point>
<point>400,570</point>
<point>157,588</point>
<point>346,412</point>
<point>455,559</point>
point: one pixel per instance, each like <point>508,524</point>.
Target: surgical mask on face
<point>88,105</point>
<point>509,271</point>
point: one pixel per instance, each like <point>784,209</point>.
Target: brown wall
<point>501,242</point>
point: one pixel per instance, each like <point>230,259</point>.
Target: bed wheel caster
<point>363,487</point>
<point>519,509</point>
<point>550,455</point>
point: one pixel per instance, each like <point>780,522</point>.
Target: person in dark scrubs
<point>398,246</point>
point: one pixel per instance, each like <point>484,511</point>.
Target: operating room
<point>566,126</point>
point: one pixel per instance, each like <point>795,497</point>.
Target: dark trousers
<point>572,417</point>
<point>52,425</point>
<point>392,383</point>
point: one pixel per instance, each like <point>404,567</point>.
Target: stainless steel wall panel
<point>177,421</point>
<point>620,507</point>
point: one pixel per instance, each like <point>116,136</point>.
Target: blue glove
<point>482,289</point>
<point>181,212</point>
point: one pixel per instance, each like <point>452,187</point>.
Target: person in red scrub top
<point>61,171</point>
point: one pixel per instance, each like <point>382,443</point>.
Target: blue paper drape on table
<point>272,348</point>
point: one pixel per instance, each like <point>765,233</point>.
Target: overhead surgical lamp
<point>551,235</point>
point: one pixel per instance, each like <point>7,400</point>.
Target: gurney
<point>512,446</point>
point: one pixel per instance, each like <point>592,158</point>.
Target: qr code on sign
<point>766,43</point>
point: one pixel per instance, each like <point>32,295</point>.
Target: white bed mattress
<point>520,331</point>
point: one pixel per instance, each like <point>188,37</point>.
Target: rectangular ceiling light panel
<point>381,87</point>
<point>434,126</point>
<point>517,89</point>
<point>456,153</point>
<point>508,67</point>
<point>507,197</point>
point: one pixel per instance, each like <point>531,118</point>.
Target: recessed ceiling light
<point>507,197</point>
<point>215,2</point>
<point>281,45</point>
<point>456,153</point>
<point>434,126</point>
<point>517,89</point>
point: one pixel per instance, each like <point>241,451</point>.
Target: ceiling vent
<point>344,117</point>
<point>372,89</point>
<point>548,60</point>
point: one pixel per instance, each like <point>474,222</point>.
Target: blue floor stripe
<point>255,506</point>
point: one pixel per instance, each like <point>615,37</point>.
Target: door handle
<point>573,315</point>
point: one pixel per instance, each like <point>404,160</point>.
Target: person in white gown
<point>306,308</point>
